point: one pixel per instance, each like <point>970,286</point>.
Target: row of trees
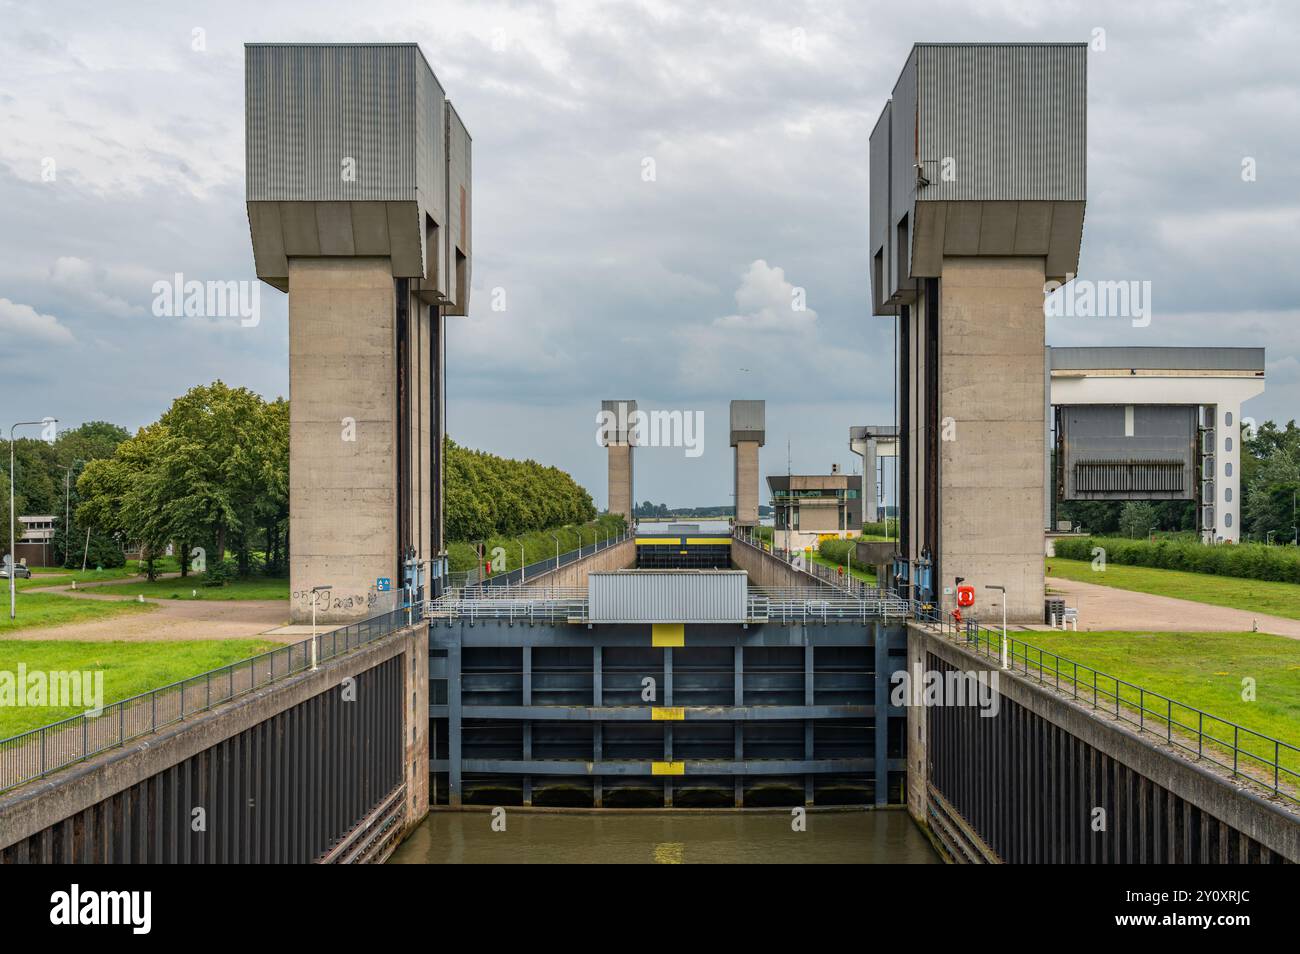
<point>211,473</point>
<point>46,483</point>
<point>488,495</point>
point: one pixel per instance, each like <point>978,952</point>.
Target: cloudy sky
<point>122,163</point>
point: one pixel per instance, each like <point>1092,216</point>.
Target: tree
<point>1136,518</point>
<point>213,470</point>
<point>1270,479</point>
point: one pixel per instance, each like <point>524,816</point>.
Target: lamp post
<point>1151,534</point>
<point>1003,591</point>
<point>521,561</point>
<point>67,503</point>
<point>13,555</point>
<point>556,538</point>
<point>315,598</point>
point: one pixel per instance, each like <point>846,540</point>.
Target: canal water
<point>750,837</point>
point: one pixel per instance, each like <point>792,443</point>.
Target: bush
<point>837,551</point>
<point>1251,561</point>
<point>220,572</point>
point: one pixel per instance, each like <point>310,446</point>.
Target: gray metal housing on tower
<point>352,150</point>
<point>980,151</point>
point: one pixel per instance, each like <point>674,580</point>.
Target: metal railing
<point>569,604</point>
<point>822,574</point>
<point>1261,760</point>
<point>521,576</point>
<point>38,752</point>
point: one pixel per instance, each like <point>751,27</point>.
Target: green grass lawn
<point>1256,596</point>
<point>129,668</point>
<point>865,576</point>
<point>47,609</point>
<point>256,588</point>
<point>1204,670</point>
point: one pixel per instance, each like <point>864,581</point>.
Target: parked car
<point>21,574</point>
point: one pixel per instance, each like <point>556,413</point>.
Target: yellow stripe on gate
<point>667,714</point>
<point>651,541</point>
<point>694,541</point>
<point>668,634</point>
<point>667,768</point>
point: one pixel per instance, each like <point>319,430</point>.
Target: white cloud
<point>767,302</point>
<point>21,324</point>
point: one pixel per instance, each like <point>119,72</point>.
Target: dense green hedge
<point>1252,561</point>
<point>487,494</point>
<point>837,551</point>
<point>882,528</point>
<point>538,545</point>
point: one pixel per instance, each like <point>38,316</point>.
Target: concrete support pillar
<point>343,436</point>
<point>748,433</point>
<point>746,482</point>
<point>991,446</point>
<point>618,434</point>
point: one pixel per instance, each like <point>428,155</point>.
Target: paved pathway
<point>1110,608</point>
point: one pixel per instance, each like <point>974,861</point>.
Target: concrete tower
<point>871,444</point>
<point>978,185</point>
<point>359,207</point>
<point>618,433</point>
<point>748,434</point>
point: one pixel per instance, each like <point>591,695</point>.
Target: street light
<point>67,502</point>
<point>1151,534</point>
<point>315,598</point>
<point>556,538</point>
<point>13,555</point>
<point>1003,591</point>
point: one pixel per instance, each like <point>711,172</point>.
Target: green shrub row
<point>837,551</point>
<point>1251,561</point>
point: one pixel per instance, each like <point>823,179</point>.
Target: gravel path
<point>1110,608</point>
<point>169,620</point>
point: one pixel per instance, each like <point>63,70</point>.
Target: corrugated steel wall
<point>284,791</point>
<point>1012,116</point>
<point>878,207</point>
<point>1152,359</point>
<point>310,106</point>
<point>902,160</point>
<point>650,596</point>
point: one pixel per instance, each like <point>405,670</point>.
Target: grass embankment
<point>1205,670</point>
<point>858,574</point>
<point>536,546</point>
<point>129,668</point>
<point>1255,596</point>
<point>47,609</point>
<point>192,588</point>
